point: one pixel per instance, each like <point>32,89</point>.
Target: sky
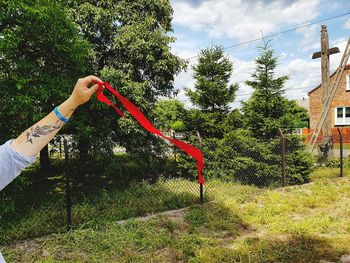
<point>199,23</point>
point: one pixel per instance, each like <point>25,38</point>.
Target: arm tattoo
<point>39,131</point>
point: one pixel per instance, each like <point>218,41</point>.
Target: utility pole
<point>324,55</point>
<point>338,74</point>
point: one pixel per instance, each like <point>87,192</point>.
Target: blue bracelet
<point>59,115</point>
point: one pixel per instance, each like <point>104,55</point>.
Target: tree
<point>131,44</point>
<point>46,45</point>
<point>170,114</point>
<point>265,112</point>
<point>241,157</point>
<point>42,55</point>
<point>267,109</point>
<point>297,116</point>
<point>212,94</point>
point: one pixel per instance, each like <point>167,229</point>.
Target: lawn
<point>346,146</point>
<point>305,223</point>
<point>40,214</point>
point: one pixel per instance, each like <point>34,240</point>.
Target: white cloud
<point>184,49</point>
<point>185,80</point>
<point>243,20</point>
<point>311,37</point>
<point>347,24</point>
<point>242,72</point>
<point>335,59</point>
<point>304,73</point>
<point>283,55</point>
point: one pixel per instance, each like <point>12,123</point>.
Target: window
<point>347,82</point>
<point>342,116</point>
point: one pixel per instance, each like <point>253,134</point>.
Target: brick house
<point>340,107</point>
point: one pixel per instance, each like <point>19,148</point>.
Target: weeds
<point>293,224</point>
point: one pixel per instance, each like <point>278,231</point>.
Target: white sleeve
<point>2,260</point>
<point>11,164</point>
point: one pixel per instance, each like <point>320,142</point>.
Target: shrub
<point>299,161</point>
<point>243,158</point>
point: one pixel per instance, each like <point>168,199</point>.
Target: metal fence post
<point>201,190</point>
<point>341,151</point>
<point>174,170</point>
<point>174,146</point>
<point>68,192</point>
<point>283,156</point>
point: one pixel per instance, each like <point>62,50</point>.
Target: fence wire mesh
<point>237,167</point>
<point>232,167</point>
<point>336,153</point>
<point>259,164</point>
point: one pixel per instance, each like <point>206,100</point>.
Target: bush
<point>299,161</point>
<point>125,168</point>
<point>243,158</point>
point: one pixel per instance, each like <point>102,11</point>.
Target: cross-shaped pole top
<point>324,45</point>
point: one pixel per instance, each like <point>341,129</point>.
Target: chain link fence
<point>234,165</point>
<point>248,162</point>
<point>334,151</point>
<point>231,165</point>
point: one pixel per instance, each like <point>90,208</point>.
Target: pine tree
<point>213,92</point>
<point>267,109</point>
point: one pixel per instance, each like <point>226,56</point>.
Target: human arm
<point>31,141</point>
<point>15,155</point>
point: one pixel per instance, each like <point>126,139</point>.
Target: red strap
<point>138,115</point>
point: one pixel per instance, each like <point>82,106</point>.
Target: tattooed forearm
<point>39,131</point>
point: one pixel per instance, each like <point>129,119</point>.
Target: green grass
<point>242,224</point>
<point>323,173</point>
<point>346,146</point>
<point>48,215</point>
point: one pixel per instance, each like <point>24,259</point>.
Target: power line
<point>286,90</point>
<point>250,93</point>
<point>281,32</point>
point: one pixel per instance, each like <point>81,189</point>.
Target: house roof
<point>346,68</point>
<point>304,103</point>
